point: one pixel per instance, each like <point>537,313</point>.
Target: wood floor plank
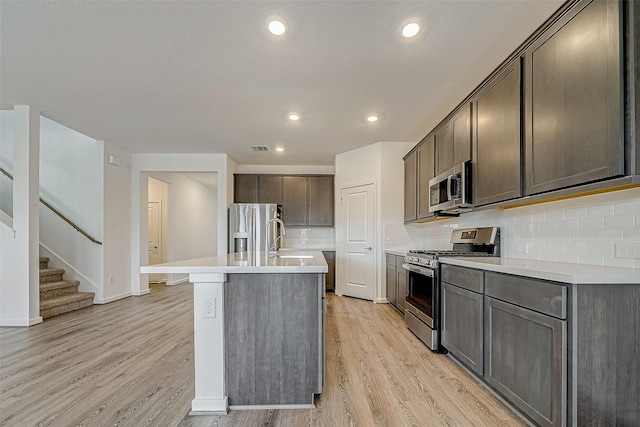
<point>130,363</point>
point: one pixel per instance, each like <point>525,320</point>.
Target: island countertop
<point>247,262</point>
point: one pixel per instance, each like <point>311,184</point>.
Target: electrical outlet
<point>111,279</point>
<point>522,248</point>
<point>208,307</point>
<point>628,250</point>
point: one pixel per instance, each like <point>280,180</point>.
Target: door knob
<point>369,248</point>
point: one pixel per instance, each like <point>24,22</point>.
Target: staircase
<point>59,296</point>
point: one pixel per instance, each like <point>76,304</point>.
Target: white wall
<point>116,278</point>
<point>192,219</point>
<point>382,165</point>
<point>581,230</point>
<point>6,160</point>
<point>71,175</point>
<point>142,164</point>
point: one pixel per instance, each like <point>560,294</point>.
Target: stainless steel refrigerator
<point>248,226</point>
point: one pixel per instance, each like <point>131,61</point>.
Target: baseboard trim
<point>20,322</point>
<point>113,298</point>
<point>177,282</point>
<point>209,406</point>
<point>263,407</point>
<point>141,293</point>
<point>381,301</point>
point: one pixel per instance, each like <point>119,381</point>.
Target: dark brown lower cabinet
<point>525,354</point>
<point>562,354</point>
<point>397,282</point>
<point>462,325</point>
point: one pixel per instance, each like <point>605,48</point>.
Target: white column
<point>26,216</point>
<point>208,329</point>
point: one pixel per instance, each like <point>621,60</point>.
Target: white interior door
<point>154,239</point>
<point>356,250</point>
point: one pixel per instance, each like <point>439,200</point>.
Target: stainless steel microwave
<point>450,192</point>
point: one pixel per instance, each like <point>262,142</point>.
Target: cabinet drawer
<point>543,297</point>
<point>466,278</point>
<point>399,261</point>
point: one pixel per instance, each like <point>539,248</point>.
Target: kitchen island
<point>258,329</point>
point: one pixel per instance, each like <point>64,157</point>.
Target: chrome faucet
<point>283,232</point>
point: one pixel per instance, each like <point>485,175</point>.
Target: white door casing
<point>154,239</point>
<point>356,250</point>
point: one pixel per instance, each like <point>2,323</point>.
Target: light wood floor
<point>130,363</point>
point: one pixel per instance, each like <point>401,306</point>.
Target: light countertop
<point>546,270</point>
<point>310,248</point>
<point>246,262</point>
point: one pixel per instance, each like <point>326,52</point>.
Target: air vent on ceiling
<point>260,148</point>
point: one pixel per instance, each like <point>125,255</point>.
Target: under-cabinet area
<point>545,346</point>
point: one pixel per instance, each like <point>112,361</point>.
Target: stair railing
<point>55,211</point>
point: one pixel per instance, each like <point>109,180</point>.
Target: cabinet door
<point>573,97</point>
<point>453,140</point>
<point>294,200</point>
<point>462,135</point>
<point>245,189</point>
<point>270,189</point>
<point>426,169</point>
<point>403,285</point>
<point>392,284</point>
<point>462,326</point>
<point>410,180</point>
<point>525,360</point>
<point>320,200</point>
<point>444,148</point>
<point>496,147</point>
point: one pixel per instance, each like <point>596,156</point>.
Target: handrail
<point>55,211</point>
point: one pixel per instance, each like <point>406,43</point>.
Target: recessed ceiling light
<point>372,119</point>
<point>411,29</point>
<point>279,149</point>
<point>277,26</point>
<point>294,117</point>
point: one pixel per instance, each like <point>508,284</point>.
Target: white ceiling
<point>206,76</point>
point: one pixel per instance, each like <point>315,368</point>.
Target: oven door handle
<point>424,271</point>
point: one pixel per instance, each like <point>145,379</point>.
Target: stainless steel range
<point>422,312</point>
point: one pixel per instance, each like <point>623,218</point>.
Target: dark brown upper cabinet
<point>410,188</point>
<point>245,189</point>
<point>307,200</point>
<point>270,189</point>
<point>453,140</point>
<point>321,201</point>
<point>573,99</point>
<point>294,200</point>
<point>497,138</point>
<point>426,171</point>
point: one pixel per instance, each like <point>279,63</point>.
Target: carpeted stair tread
<point>51,275</point>
<point>72,304</point>
<point>66,299</point>
<point>55,289</point>
<point>44,262</point>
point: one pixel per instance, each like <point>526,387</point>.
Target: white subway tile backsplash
<point>578,230</point>
<point>575,213</point>
<point>599,211</point>
<point>594,223</point>
<point>619,221</point>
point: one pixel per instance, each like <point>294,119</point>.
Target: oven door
<point>422,294</point>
